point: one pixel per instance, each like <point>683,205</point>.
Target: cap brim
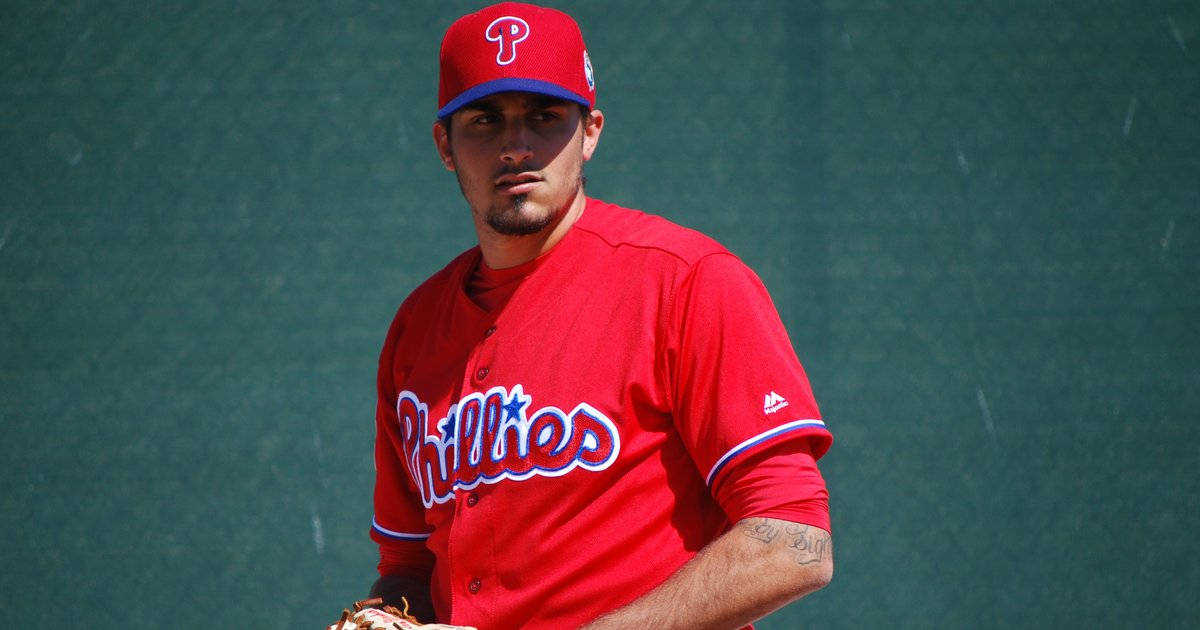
<point>510,85</point>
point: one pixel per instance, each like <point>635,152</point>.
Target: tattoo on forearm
<point>761,529</point>
<point>810,545</point>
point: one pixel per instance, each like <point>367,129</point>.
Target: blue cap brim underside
<point>509,85</point>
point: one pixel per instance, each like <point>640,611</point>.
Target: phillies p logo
<point>507,32</point>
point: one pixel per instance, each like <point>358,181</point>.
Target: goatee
<point>512,221</point>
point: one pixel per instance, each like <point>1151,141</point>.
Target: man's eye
<point>545,116</point>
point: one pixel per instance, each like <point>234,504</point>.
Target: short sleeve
<point>737,385</point>
<point>399,523</point>
<point>780,481</point>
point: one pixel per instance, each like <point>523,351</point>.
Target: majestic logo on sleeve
<point>773,402</point>
<point>507,31</point>
<point>490,437</point>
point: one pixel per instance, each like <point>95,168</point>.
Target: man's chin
<point>518,219</point>
<point>518,225</point>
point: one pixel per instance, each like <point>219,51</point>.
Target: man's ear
<point>441,137</point>
<point>591,133</point>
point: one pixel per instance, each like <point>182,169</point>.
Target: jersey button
<point>474,586</point>
<point>472,499</point>
<point>481,374</point>
<point>491,331</point>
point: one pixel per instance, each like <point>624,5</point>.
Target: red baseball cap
<point>514,47</point>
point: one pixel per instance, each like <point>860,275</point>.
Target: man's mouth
<point>517,184</point>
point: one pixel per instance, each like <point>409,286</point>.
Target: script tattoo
<point>761,529</point>
<point>810,545</point>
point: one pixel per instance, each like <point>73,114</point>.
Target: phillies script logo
<point>507,31</point>
<point>486,438</point>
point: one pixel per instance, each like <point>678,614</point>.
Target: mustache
<point>517,170</point>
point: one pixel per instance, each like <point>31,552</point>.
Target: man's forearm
<point>757,567</point>
<point>415,591</point>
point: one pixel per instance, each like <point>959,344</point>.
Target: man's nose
<point>516,148</point>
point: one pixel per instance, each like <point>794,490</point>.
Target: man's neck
<point>501,251</point>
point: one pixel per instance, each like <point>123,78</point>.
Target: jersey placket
<point>471,535</point>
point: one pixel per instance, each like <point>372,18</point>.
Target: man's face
<point>518,158</point>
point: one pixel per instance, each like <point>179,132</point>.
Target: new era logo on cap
<point>514,47</point>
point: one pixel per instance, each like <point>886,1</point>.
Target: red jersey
<point>562,454</point>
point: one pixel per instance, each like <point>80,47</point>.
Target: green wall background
<point>980,222</point>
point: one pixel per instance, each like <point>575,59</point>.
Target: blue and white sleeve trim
<point>759,439</point>
<point>395,534</point>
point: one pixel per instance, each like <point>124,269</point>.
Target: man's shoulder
<point>625,227</point>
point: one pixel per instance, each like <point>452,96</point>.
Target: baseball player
<point>595,417</point>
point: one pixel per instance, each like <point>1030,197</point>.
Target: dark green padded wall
<point>979,220</point>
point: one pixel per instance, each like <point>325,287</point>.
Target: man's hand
<point>401,590</point>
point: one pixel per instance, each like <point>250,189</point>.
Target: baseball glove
<point>371,614</point>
